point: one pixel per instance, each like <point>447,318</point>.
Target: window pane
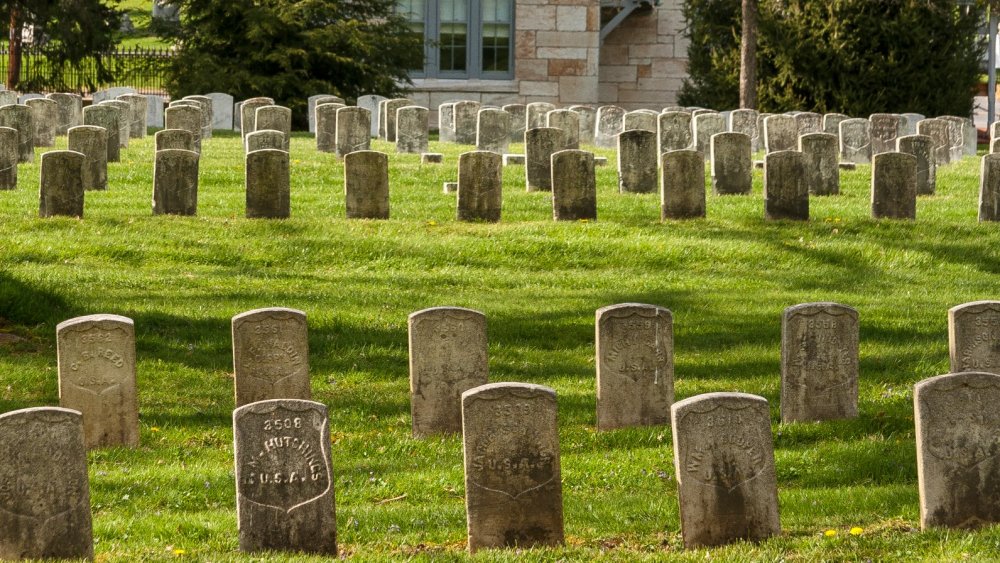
<point>496,11</point>
<point>454,10</point>
<point>453,40</point>
<point>496,48</point>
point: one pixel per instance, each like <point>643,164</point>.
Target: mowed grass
<point>726,279</point>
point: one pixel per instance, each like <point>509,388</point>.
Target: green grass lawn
<point>726,279</point>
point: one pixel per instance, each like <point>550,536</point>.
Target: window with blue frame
<point>463,38</point>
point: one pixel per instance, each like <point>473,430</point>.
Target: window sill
<point>472,84</point>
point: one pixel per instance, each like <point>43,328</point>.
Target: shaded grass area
<point>726,279</point>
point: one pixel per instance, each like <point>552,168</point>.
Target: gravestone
<point>70,109</point>
<point>268,183</point>
<point>265,139</point>
<point>111,93</point>
<point>808,122</point>
<point>45,499</point>
<point>781,133</point>
<point>8,158</point>
<point>637,162</point>
<point>60,189</point>
<point>248,113</point>
<point>567,121</point>
<point>516,160</point>
<point>154,110</point>
<point>8,97</point>
<point>989,188</point>
<point>819,362</point>
<point>535,113</point>
<point>493,130</point>
<point>412,127</point>
<point>222,111</point>
<point>465,114</point>
<point>635,365</point>
<point>96,358</point>
<point>518,120</point>
<point>432,158</point>
<point>388,110</point>
<point>45,114</point>
<point>539,145</point>
<point>921,147</point>
<point>610,120</point>
<point>480,186</point>
<point>939,132</point>
<point>173,139</point>
<point>732,171</point>
<point>894,186</point>
<point>366,184</point>
<point>175,182</point>
<point>885,129</point>
<point>448,356</point>
<point>588,123</point>
<point>513,484</point>
<point>353,130</point>
<point>124,128</point>
<point>164,10</point>
<point>786,195</point>
<point>683,191</point>
<point>974,337</point>
<point>674,131</point>
<point>325,126</point>
<point>270,355</point>
<point>188,118</point>
<point>855,141</point>
<point>92,142</point>
<point>745,121</point>
<point>370,102</point>
<point>760,130</point>
<point>640,119</point>
<point>958,130</point>
<point>20,118</point>
<point>706,125</point>
<point>724,462</point>
<point>284,480</point>
<point>136,114</point>
<point>205,104</point>
<point>574,186</point>
<point>446,123</point>
<point>910,123</point>
<point>958,439</point>
<point>821,163</point>
<point>831,124</point>
<point>278,118</point>
<point>314,101</point>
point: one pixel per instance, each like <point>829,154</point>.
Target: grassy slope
<point>726,278</point>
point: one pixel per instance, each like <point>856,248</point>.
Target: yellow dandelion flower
<point>431,223</point>
<point>154,429</point>
<point>856,531</point>
<point>830,533</point>
<point>178,552</point>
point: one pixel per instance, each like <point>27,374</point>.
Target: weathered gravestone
<point>70,110</point>
<point>610,120</point>
<point>353,130</point>
<point>268,183</point>
<point>92,143</point>
<point>808,122</point>
<point>8,97</point>
<point>588,123</point>
<point>539,145</point>
<point>205,103</point>
<point>958,449</point>
<point>45,497</point>
<point>480,186</point>
<point>958,129</point>
<point>885,129</point>
<point>370,102</point>
<point>894,186</point>
<point>412,125</point>
<point>123,120</point>
<point>448,356</point>
<point>831,124</point>
<point>446,123</point>
<point>513,484</point>
<point>315,101</point>
<point>175,182</point>
<point>567,121</point>
<point>819,362</point>
<point>19,117</point>
<point>518,120</point>
<point>265,139</point>
<point>732,171</point>
<point>136,115</point>
<point>706,125</point>
<point>781,133</point>
<point>284,480</point>
<point>270,355</point>
<point>111,93</point>
<point>535,113</point>
<point>96,357</point>
<point>465,114</point>
<point>637,162</point>
<point>974,336</point>
<point>640,119</point>
<point>921,147</point>
<point>388,115</point>
<point>682,195</point>
<point>940,133</point>
<point>821,163</point>
<point>222,111</point>
<point>248,113</point>
<point>724,461</point>
<point>745,121</point>
<point>786,195</point>
<point>164,10</point>
<point>366,185</point>
<point>910,121</point>
<point>989,188</point>
<point>154,110</point>
<point>60,189</point>
<point>325,126</point>
<point>635,365</point>
<point>493,130</point>
<point>278,118</point>
<point>674,132</point>
<point>188,118</point>
<point>574,186</point>
<point>45,114</point>
<point>173,139</point>
<point>855,140</point>
<point>8,158</point>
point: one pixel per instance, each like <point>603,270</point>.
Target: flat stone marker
<point>674,132</point>
<point>940,133</point>
<point>574,186</point>
<point>885,129</point>
<point>431,158</point>
<point>270,355</point>
<point>173,139</point>
<point>819,362</point>
<point>635,365</point>
<point>222,111</point>
<point>724,461</point>
<point>682,195</point>
<point>958,444</point>
<point>786,195</point>
<point>974,337</point>
<point>284,479</point>
<point>449,187</point>
<point>540,143</point>
<point>513,484</point>
<point>480,186</point>
<point>19,117</point>
<point>518,120</point>
<point>535,114</point>
<point>922,147</point>
<point>278,118</point>
<point>610,122</point>
<point>493,130</point>
<point>388,110</point>
<point>136,114</point>
<point>370,102</point>
<point>124,128</point>
<point>513,160</point>
<point>268,183</point>
<point>894,186</point>
<point>567,121</point>
<point>412,126</point>
<point>353,130</point>
<point>248,113</point>
<point>637,170</point>
<point>704,126</point>
<point>466,114</point>
<point>366,185</point>
<point>61,186</point>
<point>315,101</point>
<point>91,142</point>
<point>45,499</point>
<point>70,110</point>
<point>188,118</point>
<point>781,133</point>
<point>745,121</point>
<point>8,158</point>
<point>448,356</point>
<point>325,126</point>
<point>96,356</point>
<point>989,187</point>
<point>175,182</point>
<point>588,123</point>
<point>821,163</point>
<point>45,114</point>
<point>732,169</point>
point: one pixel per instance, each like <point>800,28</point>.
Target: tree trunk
<point>14,52</point>
<point>748,56</point>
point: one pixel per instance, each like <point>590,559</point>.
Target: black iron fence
<point>141,68</point>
